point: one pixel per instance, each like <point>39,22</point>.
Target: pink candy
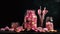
<point>49,25</point>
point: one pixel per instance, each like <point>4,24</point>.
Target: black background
<point>13,11</point>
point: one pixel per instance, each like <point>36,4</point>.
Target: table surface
<point>31,32</point>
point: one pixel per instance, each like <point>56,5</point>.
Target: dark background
<point>13,11</point>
